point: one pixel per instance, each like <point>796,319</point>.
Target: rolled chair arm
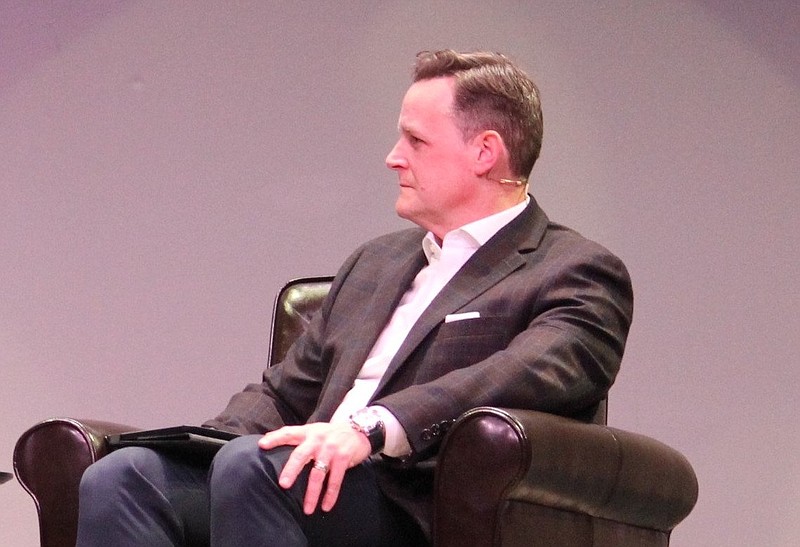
<point>49,460</point>
<point>493,458</point>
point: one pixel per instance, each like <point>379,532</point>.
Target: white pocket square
<point>461,316</point>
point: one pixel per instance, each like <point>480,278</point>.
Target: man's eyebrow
<point>408,130</point>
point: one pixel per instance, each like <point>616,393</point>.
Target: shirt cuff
<point>396,445</point>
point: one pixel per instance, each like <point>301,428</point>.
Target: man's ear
<point>490,152</point>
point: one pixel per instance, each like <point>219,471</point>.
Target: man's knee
<point>241,459</point>
<point>116,468</point>
<point>241,466</point>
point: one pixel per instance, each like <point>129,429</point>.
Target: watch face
<point>369,423</point>
<point>366,418</point>
<point>366,421</point>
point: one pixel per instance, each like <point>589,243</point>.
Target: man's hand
<point>337,446</point>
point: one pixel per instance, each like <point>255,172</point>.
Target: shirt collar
<point>474,234</point>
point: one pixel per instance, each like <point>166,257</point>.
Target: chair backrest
<point>295,304</point>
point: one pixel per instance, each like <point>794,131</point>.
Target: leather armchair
<point>504,477</point>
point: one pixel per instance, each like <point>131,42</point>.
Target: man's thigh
<point>153,497</point>
<point>361,516</point>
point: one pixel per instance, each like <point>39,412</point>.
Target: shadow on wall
<point>31,32</point>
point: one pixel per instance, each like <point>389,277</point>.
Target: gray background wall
<point>165,166</point>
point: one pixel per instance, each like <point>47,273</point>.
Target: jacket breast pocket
<point>462,343</point>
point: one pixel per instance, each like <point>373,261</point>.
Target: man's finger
<point>334,484</point>
<point>288,435</point>
<point>316,480</point>
<point>298,459</point>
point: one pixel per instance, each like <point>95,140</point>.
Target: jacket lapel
<point>384,301</point>
<point>391,288</point>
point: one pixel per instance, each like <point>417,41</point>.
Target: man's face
<point>431,159</point>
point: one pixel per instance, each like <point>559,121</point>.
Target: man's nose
<point>395,160</point>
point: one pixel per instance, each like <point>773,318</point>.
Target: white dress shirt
<point>443,263</point>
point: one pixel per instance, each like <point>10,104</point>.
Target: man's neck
<point>506,201</point>
<point>498,211</point>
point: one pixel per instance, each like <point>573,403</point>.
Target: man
<point>484,303</point>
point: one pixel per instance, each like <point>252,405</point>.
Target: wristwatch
<point>368,421</point>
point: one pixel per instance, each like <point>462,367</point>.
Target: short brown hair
<point>491,92</point>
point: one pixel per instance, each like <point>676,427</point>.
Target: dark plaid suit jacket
<point>555,309</point>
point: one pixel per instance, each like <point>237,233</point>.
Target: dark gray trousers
<point>137,496</point>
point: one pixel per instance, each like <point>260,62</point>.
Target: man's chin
<point>402,209</point>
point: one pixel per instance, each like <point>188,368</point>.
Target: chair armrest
<point>49,460</point>
<point>493,457</point>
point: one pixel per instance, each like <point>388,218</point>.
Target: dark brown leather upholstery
<point>521,477</point>
<point>49,460</point>
<point>295,304</point>
<point>504,477</point>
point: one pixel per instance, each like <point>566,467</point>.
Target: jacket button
<point>426,435</point>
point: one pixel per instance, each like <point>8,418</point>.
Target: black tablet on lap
<point>187,440</point>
